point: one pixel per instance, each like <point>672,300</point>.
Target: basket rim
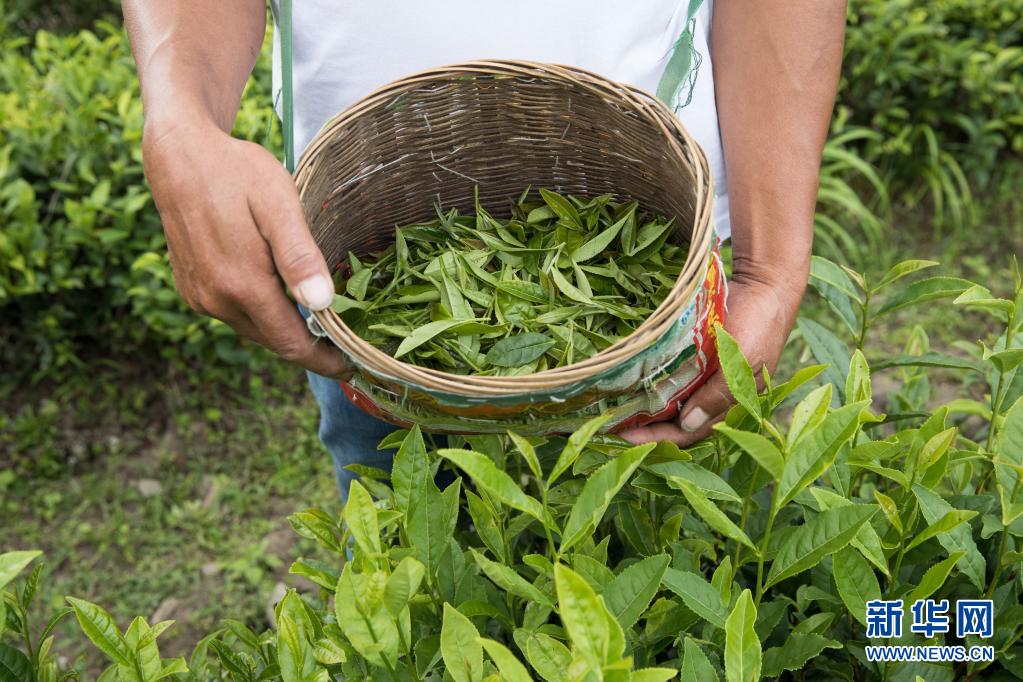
<point>370,359</point>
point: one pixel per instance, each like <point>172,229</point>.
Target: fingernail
<point>695,420</point>
<point>315,293</point>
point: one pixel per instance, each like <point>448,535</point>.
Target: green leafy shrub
<point>27,16</point>
<point>750,555</point>
<point>82,255</point>
<point>940,85</point>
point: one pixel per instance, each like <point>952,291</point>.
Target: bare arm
<point>776,70</point>
<point>234,225</point>
<point>194,57</point>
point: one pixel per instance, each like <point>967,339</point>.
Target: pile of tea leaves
<point>557,282</point>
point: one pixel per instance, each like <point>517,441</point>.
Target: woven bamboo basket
<point>433,138</point>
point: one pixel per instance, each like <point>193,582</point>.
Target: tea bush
<point>82,255</point>
<point>935,91</point>
<point>751,555</point>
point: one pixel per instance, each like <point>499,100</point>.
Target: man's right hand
<point>237,235</point>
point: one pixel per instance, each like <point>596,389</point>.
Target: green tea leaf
<point>824,270</point>
<point>925,290</point>
<point>742,647</point>
<point>759,448</point>
<point>696,667</point>
<point>650,240</point>
<point>824,534</point>
<point>430,522</point>
<point>368,626</point>
<point>13,563</point>
<point>929,359</point>
<point>900,270</point>
<point>562,207</point>
<point>317,525</point>
<point>958,539</point>
<point>361,517</point>
<point>855,581</point>
<point>979,297</point>
<point>357,283</point>
<point>798,650</point>
<point>423,334</point>
<point>597,245</point>
<point>295,653</point>
<point>509,580</point>
<point>936,446</point>
<point>528,453</point>
<point>782,391</point>
<point>712,485</point>
<point>487,525</point>
<point>710,513</point>
<point>528,291</point>
<point>342,304</point>
<point>600,488</point>
<point>946,523</point>
<point>866,540</point>
<point>549,657</point>
<point>737,372</point>
<point>890,509</point>
<point>809,413</point>
<point>460,646</point>
<point>485,474</point>
<point>100,628</point>
<point>403,584</point>
<point>630,593</point>
<point>815,452</point>
<point>321,573</point>
<point>1008,462</point>
<point>828,349</point>
<point>14,665</point>
<point>594,633</point>
<point>511,668</point>
<point>569,289</point>
<point>576,442</point>
<point>1006,360</point>
<point>410,470</point>
<point>934,578</point>
<point>857,383</point>
<point>698,594</point>
<point>518,350</point>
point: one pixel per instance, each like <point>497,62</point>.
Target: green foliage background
<point>929,114</point>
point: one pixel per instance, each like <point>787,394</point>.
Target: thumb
<point>278,214</point>
<point>706,406</point>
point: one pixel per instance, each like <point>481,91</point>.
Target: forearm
<point>776,70</point>
<point>193,58</point>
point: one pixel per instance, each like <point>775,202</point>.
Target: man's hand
<point>235,229</point>
<point>760,317</point>
<point>776,69</point>
<point>234,224</point>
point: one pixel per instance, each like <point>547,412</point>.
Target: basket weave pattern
<point>433,137</point>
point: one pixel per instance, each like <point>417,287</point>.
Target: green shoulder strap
<point>681,64</point>
<point>284,26</point>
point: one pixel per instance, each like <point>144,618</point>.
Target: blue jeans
<point>349,434</point>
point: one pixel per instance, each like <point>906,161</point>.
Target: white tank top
<point>345,49</point>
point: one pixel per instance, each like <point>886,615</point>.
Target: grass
<point>163,496</point>
<point>163,490</point>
